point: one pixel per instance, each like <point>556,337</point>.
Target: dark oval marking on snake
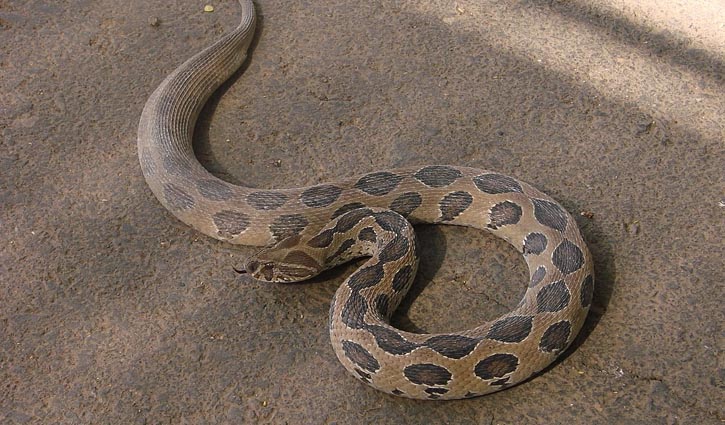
<point>346,208</point>
<point>403,278</point>
<point>320,196</point>
<point>587,291</point>
<point>397,392</point>
<point>353,313</point>
<point>537,276</point>
<point>300,257</point>
<point>437,175</point>
<point>290,242</point>
<point>366,277</point>
<point>549,214</point>
<point>567,257</point>
<point>266,200</point>
<point>555,337</point>
<point>176,198</point>
<point>394,250</point>
<point>230,223</point>
<point>342,249</point>
<point>427,374</point>
<point>173,166</point>
<point>496,184</point>
<point>322,239</point>
<point>535,243</point>
<point>360,356</point>
<point>368,235</point>
<point>351,218</point>
<point>406,203</point>
<point>496,366</point>
<point>453,204</point>
<point>378,184</point>
<point>511,329</point>
<point>390,221</point>
<point>452,346</point>
<point>553,297</point>
<point>390,341</point>
<point>214,190</point>
<point>288,225</point>
<point>504,214</point>
<point>382,305</point>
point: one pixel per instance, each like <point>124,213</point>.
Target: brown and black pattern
<point>338,255</point>
<point>496,366</point>
<point>535,243</point>
<point>567,257</point>
<point>495,184</point>
<point>553,297</point>
<point>368,234</point>
<point>174,166</point>
<point>320,196</point>
<point>366,277</point>
<point>346,208</point>
<point>378,184</point>
<point>511,329</point>
<point>488,358</point>
<point>504,214</point>
<point>266,200</point>
<point>550,214</point>
<point>230,223</point>
<point>452,346</point>
<point>427,374</point>
<point>288,225</point>
<point>537,276</point>
<point>438,175</point>
<point>176,198</point>
<point>453,204</point>
<point>587,291</point>
<point>402,278</point>
<point>360,356</point>
<point>556,337</point>
<point>391,341</point>
<point>406,203</point>
<point>214,190</point>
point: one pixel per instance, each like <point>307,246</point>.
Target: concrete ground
<point>113,312</point>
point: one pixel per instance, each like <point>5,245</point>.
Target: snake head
<point>283,262</point>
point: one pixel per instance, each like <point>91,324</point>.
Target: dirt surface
<point>113,312</point>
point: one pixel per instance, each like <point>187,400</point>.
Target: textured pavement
<point>114,312</point>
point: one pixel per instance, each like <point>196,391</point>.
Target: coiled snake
<point>317,227</point>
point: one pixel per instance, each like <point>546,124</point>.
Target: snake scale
<point>314,228</point>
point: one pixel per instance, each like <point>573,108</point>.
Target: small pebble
<point>154,21</point>
<point>632,228</point>
<point>208,8</point>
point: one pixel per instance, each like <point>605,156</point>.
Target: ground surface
<point>114,312</point>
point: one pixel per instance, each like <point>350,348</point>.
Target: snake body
<point>314,228</point>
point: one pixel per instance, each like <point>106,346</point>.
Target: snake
<point>309,229</point>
